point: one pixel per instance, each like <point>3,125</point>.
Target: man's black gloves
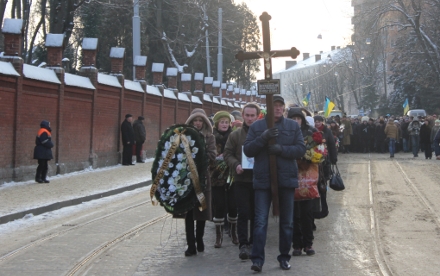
<point>275,149</point>
<point>269,134</point>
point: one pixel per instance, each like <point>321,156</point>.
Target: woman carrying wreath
<point>222,192</point>
<point>307,166</point>
<point>200,121</point>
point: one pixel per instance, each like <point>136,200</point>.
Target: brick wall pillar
<point>172,74</point>
<point>13,36</point>
<point>117,56</point>
<point>157,70</point>
<point>208,85</point>
<point>186,82</point>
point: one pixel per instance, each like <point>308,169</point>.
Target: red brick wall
<point>183,112</point>
<point>7,110</point>
<point>168,113</point>
<point>40,102</point>
<point>54,56</point>
<point>76,125</point>
<point>152,123</point>
<point>107,128</point>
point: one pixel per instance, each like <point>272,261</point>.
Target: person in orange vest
<point>43,151</point>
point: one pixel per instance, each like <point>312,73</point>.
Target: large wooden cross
<point>267,56</point>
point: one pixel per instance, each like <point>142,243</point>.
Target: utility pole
<point>208,59</point>
<point>220,50</point>
<point>136,34</point>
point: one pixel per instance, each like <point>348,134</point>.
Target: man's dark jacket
<point>292,142</point>
<point>127,133</point>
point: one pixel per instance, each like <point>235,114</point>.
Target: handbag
<point>336,182</point>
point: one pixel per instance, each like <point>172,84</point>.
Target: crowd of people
<point>388,134</point>
<point>242,194</point>
<point>239,148</point>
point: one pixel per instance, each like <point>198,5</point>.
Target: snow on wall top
<point>230,104</point>
<point>78,81</point>
<point>198,76</point>
<point>183,97</point>
<point>216,84</point>
<point>41,74</point>
<point>216,100</point>
<point>6,68</point>
<point>153,90</point>
<point>248,93</point>
<point>54,40</point>
<point>89,43</point>
<point>207,98</point>
<point>223,86</point>
<point>169,94</point>
<point>133,85</point>
<point>172,72</point>
<point>237,105</point>
<point>223,102</point>
<point>108,80</point>
<point>243,91</point>
<point>157,67</point>
<point>12,26</point>
<point>185,77</point>
<point>140,61</point>
<point>195,99</point>
<point>236,90</point>
<point>209,80</point>
<point>230,88</point>
<point>116,52</point>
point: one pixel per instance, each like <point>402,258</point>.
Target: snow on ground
<point>60,176</point>
<point>31,220</point>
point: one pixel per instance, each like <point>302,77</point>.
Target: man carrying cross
<point>288,147</point>
<point>276,143</point>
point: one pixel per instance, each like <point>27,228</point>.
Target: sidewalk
<point>20,198</point>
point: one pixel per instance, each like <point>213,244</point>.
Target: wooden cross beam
<point>267,56</point>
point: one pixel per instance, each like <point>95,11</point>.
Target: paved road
<point>366,232</point>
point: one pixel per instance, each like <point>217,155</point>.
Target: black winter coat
<point>127,133</point>
<point>139,131</point>
<point>43,142</point>
<point>425,134</point>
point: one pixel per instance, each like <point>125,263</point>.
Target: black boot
<point>218,232</point>
<point>38,176</point>
<point>190,238</point>
<point>44,175</point>
<point>200,231</point>
<point>233,225</point>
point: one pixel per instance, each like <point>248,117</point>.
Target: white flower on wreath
<point>162,190</point>
<point>170,181</point>
<point>160,163</point>
<point>188,175</point>
<point>180,157</point>
<point>193,155</point>
<point>191,143</point>
<point>175,173</point>
<point>321,147</point>
<point>172,188</point>
<point>195,150</point>
<point>163,197</point>
<point>178,186</point>
<point>182,146</point>
<point>161,181</point>
<point>167,145</point>
<point>177,178</point>
<point>170,165</point>
<point>184,188</point>
<point>179,166</point>
<point>187,182</point>
<point>164,154</point>
<point>180,192</point>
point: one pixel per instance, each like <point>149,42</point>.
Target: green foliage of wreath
<point>175,191</point>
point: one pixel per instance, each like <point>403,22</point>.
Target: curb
<point>71,202</point>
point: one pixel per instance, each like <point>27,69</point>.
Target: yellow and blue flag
<point>328,107</point>
<point>306,99</point>
<point>405,107</point>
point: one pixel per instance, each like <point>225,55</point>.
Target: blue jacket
<point>292,141</point>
